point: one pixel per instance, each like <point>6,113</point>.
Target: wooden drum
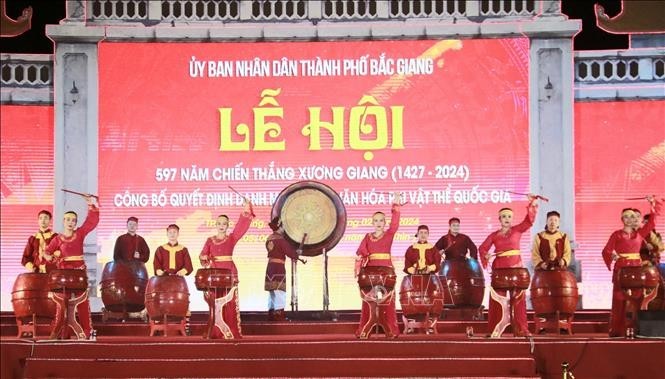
<point>68,280</point>
<point>372,276</point>
<point>421,294</point>
<point>30,296</point>
<point>636,277</point>
<point>123,286</point>
<point>554,291</point>
<point>465,282</point>
<point>514,278</point>
<point>312,209</point>
<point>214,278</point>
<point>166,296</point>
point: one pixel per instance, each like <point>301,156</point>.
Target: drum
<point>123,286</point>
<point>166,296</point>
<point>659,302</point>
<point>213,278</point>
<point>638,277</point>
<point>377,276</point>
<point>420,294</point>
<point>465,282</point>
<point>553,291</point>
<point>314,209</point>
<point>30,296</point>
<point>514,278</point>
<point>68,279</point>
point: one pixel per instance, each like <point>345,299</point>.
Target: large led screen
<point>619,155</point>
<point>26,183</point>
<point>443,121</point>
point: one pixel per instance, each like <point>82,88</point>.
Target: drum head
<point>314,209</point>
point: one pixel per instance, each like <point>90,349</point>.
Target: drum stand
<point>508,306</point>
<point>165,326</point>
<point>67,309</point>
<point>428,323</point>
<point>635,302</point>
<point>215,311</point>
<point>124,315</point>
<point>554,321</point>
<point>376,311</point>
<point>27,327</point>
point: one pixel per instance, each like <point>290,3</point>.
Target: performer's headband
<point>71,213</point>
<point>506,212</point>
<point>628,213</point>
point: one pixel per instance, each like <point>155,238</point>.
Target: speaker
<point>651,323</point>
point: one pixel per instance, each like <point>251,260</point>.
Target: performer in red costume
<point>506,254</point>
<point>218,253</point>
<point>172,258</point>
<point>456,245</point>
<point>422,257</point>
<point>623,248</point>
<point>275,279</point>
<point>33,254</point>
<point>131,246</point>
<point>374,250</point>
<point>66,251</point>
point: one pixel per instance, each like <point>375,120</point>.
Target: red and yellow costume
<point>218,253</point>
<point>549,248</point>
<point>375,251</point>
<point>68,254</point>
<point>457,246</point>
<point>172,258</point>
<point>421,257</point>
<point>33,254</point>
<point>627,246</point>
<point>126,245</point>
<point>507,255</point>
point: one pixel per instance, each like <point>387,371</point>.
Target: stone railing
<point>620,74</point>
<point>26,78</point>
<point>191,11</point>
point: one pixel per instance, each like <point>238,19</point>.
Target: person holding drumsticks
<point>66,251</point>
<point>374,250</point>
<point>623,249</point>
<point>506,254</point>
<point>217,252</point>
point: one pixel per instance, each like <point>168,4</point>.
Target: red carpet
<point>328,349</point>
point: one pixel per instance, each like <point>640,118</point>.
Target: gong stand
<point>294,285</point>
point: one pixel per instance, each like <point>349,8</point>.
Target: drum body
<point>659,302</point>
<point>68,279</point>
<point>420,294</point>
<point>213,278</point>
<point>30,296</point>
<point>514,278</point>
<point>638,277</point>
<point>372,276</point>
<point>465,282</point>
<point>554,291</point>
<point>123,286</point>
<point>166,296</point>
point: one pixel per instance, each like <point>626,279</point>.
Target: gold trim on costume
<point>629,255</point>
<point>223,258</point>
<point>172,253</point>
<point>73,258</point>
<point>379,256</point>
<point>508,253</point>
<point>276,260</point>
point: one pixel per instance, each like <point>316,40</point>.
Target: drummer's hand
<point>646,263</point>
<point>397,198</point>
<point>48,257</point>
<point>90,200</point>
<point>246,205</point>
<point>182,272</point>
<point>30,267</point>
<point>431,268</point>
<point>159,272</point>
<point>532,198</point>
<point>615,256</point>
<point>299,251</point>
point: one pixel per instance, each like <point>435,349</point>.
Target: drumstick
<point>302,242</point>
<point>80,193</point>
<point>543,198</point>
<point>251,209</point>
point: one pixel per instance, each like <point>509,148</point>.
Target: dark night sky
<point>52,11</point>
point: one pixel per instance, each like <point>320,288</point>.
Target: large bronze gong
<point>313,208</point>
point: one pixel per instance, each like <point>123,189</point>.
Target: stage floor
<point>306,347</point>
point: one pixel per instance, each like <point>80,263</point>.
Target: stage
<point>312,345</point>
